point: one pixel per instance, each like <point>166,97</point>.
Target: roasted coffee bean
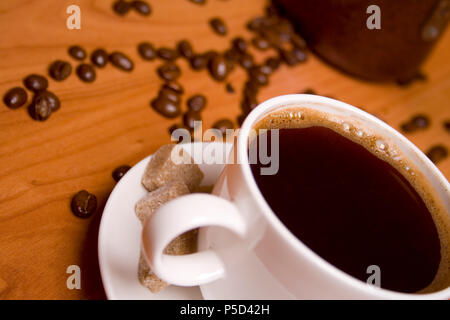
<point>248,103</point>
<point>218,67</point>
<point>289,57</point>
<point>121,7</point>
<point>121,61</point>
<point>266,69</point>
<point>99,58</point>
<point>209,55</point>
<point>166,107</point>
<point>174,86</point>
<point>273,63</point>
<point>83,204</point>
<point>119,172</point>
<point>232,55</point>
<point>218,26</point>
<point>169,71</point>
<point>190,117</point>
<point>185,49</point>
<point>299,54</point>
<point>77,52</point>
<point>50,98</point>
<point>447,125</point>
<point>169,94</point>
<point>421,121</point>
<point>258,76</point>
<point>15,98</point>
<point>198,62</point>
<point>298,41</point>
<point>35,82</point>
<point>437,153</point>
<point>240,45</point>
<point>198,1</point>
<point>260,43</point>
<point>223,125</point>
<point>59,70</point>
<point>408,127</point>
<point>229,88</point>
<point>246,61</point>
<point>141,7</point>
<point>167,53</point>
<point>40,108</point>
<point>196,103</point>
<point>86,72</point>
<point>147,51</point>
<point>258,23</point>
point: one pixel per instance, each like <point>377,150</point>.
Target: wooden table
<point>109,122</point>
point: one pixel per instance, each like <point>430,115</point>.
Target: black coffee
<point>352,208</point>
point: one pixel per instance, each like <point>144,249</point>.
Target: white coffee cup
<point>245,251</point>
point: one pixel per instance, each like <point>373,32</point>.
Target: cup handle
<point>181,215</point>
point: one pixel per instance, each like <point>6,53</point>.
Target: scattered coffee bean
<point>40,108</point>
<point>169,71</point>
<point>289,57</point>
<point>218,67</point>
<point>77,52</point>
<point>83,204</point>
<point>258,76</point>
<point>198,1</point>
<point>223,125</point>
<point>86,72</point>
<point>229,88</point>
<point>167,53</point>
<point>52,99</point>
<point>99,58</point>
<point>198,62</point>
<point>190,117</point>
<point>121,61</point>
<point>35,82</point>
<point>121,7</point>
<point>196,103</point>
<point>15,98</point>
<point>260,43</point>
<point>447,125</point>
<point>141,7</point>
<point>408,127</point>
<point>59,70</point>
<point>240,45</point>
<point>147,51</point>
<point>246,61</point>
<point>437,153</point>
<point>266,69</point>
<point>185,49</point>
<point>232,55</point>
<point>248,103</point>
<point>174,86</point>
<point>273,63</point>
<point>258,23</point>
<point>299,54</point>
<point>119,172</point>
<point>169,94</point>
<point>421,121</point>
<point>209,55</point>
<point>218,26</point>
<point>166,107</point>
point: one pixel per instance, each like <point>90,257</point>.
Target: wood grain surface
<point>109,122</point>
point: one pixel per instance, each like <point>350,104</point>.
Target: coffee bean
<point>198,1</point>
<point>119,172</point>
<point>223,125</point>
<point>174,86</point>
<point>258,76</point>
<point>421,121</point>
<point>147,51</point>
<point>246,61</point>
<point>15,98</point>
<point>121,7</point>
<point>52,99</point>
<point>77,52</point>
<point>248,103</point>
<point>260,43</point>
<point>83,204</point>
<point>298,41</point>
<point>99,58</point>
<point>437,153</point>
<point>289,57</point>
<point>258,23</point>
<point>447,125</point>
<point>166,107</point>
<point>169,94</point>
<point>266,69</point>
<point>167,53</point>
<point>40,108</point>
<point>169,71</point>
<point>408,127</point>
<point>185,49</point>
<point>240,45</point>
<point>209,55</point>
<point>196,103</point>
<point>232,55</point>
<point>86,72</point>
<point>218,26</point>
<point>198,62</point>
<point>121,61</point>
<point>218,67</point>
<point>35,82</point>
<point>299,54</point>
<point>229,88</point>
<point>59,70</point>
<point>273,63</point>
<point>190,117</point>
<point>141,7</point>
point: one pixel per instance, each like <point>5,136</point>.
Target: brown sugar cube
<point>155,199</point>
<point>148,279</point>
<point>161,168</point>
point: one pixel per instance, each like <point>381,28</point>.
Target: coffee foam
<point>386,150</point>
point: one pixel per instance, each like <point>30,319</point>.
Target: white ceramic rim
<point>242,146</point>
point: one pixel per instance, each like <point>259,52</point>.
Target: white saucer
<point>120,236</point>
